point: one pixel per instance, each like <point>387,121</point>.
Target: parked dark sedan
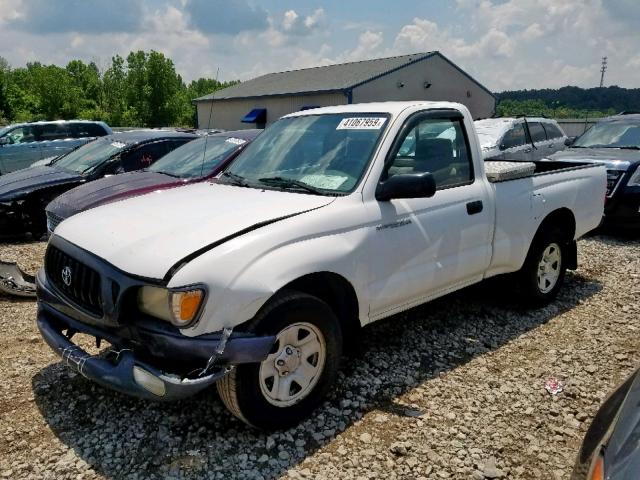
<point>614,141</point>
<point>611,446</point>
<point>24,194</point>
<point>197,161</point>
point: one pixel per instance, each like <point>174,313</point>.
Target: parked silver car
<point>25,143</point>
<point>525,139</point>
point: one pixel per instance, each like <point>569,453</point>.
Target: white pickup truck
<point>333,218</point>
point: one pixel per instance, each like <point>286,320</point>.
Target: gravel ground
<point>453,389</point>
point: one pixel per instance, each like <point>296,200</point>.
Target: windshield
<point>187,160</point>
<point>89,156</point>
<point>328,153</point>
<point>610,135</point>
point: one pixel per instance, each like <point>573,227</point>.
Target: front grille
<point>53,221</point>
<point>76,281</point>
<point>613,178</point>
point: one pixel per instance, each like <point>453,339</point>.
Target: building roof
<point>330,78</point>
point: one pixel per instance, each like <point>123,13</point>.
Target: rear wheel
<point>302,365</point>
<point>542,274</point>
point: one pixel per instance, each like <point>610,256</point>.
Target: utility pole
<point>602,70</point>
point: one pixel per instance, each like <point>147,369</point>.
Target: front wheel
<point>289,384</point>
<point>542,274</point>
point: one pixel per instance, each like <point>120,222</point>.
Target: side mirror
<point>569,141</point>
<point>5,141</point>
<point>409,185</point>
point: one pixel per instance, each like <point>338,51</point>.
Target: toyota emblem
<point>66,276</point>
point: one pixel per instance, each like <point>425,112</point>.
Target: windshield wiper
<point>163,172</point>
<point>236,179</point>
<point>289,183</point>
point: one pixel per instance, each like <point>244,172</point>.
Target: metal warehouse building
<point>422,76</point>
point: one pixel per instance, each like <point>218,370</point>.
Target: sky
<point>504,44</point>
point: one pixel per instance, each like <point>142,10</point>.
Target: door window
<point>143,156</point>
<point>435,145</point>
<point>553,131</point>
<point>537,132</point>
<point>515,137</point>
<point>85,130</point>
<point>53,131</point>
<point>19,135</point>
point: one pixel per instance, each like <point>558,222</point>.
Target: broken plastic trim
<point>13,281</point>
<point>226,333</point>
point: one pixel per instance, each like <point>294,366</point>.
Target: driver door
<point>423,247</point>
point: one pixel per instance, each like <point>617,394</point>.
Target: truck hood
<point>613,158</point>
<point>22,182</point>
<point>107,190</point>
<point>147,235</point>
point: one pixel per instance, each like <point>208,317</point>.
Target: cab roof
<point>392,108</point>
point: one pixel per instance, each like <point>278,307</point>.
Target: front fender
<point>242,279</point>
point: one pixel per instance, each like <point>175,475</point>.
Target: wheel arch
<point>563,219</point>
<point>337,292</point>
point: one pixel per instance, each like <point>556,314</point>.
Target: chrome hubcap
<point>549,268</point>
<point>293,368</point>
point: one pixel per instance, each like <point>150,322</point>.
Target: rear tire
<point>542,275</point>
<point>286,387</point>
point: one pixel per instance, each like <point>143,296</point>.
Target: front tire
<point>543,272</point>
<point>286,387</point>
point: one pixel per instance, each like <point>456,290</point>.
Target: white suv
<point>525,139</point>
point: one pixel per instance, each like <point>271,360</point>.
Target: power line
<point>602,70</point>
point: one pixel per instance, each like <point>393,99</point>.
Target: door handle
<point>33,146</point>
<point>551,146</point>
<point>528,150</point>
<point>474,207</point>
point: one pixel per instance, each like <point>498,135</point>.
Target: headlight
<point>634,181</point>
<point>180,307</point>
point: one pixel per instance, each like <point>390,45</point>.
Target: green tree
<point>114,101</point>
<point>5,72</point>
<point>142,90</point>
<point>164,90</point>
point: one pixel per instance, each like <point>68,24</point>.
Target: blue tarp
<point>257,115</point>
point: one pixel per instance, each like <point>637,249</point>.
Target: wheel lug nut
<point>280,363</point>
<point>289,351</point>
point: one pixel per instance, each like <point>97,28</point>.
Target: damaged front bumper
<point>13,281</point>
<point>139,363</point>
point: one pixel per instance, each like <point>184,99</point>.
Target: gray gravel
<point>453,389</point>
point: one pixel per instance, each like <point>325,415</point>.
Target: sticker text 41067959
<point>361,123</point>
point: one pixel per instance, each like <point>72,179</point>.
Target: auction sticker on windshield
<point>236,141</point>
<point>118,144</point>
<point>361,123</point>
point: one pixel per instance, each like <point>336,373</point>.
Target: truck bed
<point>522,203</point>
<point>505,170</point>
